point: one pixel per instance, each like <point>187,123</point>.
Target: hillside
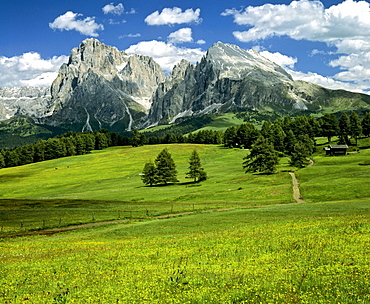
<point>22,130</point>
<point>108,185</point>
<point>277,253</point>
<point>116,171</point>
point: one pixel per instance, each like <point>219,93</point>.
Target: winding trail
<point>296,192</point>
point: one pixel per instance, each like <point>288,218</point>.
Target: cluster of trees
<point>344,126</point>
<point>262,157</point>
<point>294,137</point>
<point>200,137</point>
<point>68,144</point>
<point>163,170</point>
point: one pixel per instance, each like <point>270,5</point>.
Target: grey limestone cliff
<point>30,101</point>
<point>102,87</point>
<point>229,78</point>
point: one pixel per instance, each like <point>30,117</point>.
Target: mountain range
<point>102,87</point>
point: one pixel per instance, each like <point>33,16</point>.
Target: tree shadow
<point>187,184</point>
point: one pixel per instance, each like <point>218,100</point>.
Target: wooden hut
<point>335,150</point>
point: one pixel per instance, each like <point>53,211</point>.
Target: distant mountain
<point>230,78</point>
<point>102,87</point>
<point>30,101</point>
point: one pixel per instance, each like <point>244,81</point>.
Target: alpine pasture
<point>261,248</point>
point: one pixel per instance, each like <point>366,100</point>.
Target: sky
<point>324,42</point>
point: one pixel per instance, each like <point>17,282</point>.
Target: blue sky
<point>325,42</point>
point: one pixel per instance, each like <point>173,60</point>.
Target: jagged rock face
<point>102,87</point>
<point>30,101</point>
<point>168,98</point>
<point>228,78</point>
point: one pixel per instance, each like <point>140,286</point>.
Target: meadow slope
<point>316,252</point>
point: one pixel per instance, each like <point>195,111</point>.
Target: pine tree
<point>278,137</point>
<point>344,129</point>
<point>266,130</point>
<point>289,141</point>
<point>166,168</point>
<point>262,157</point>
<point>230,137</point>
<point>138,139</point>
<point>2,161</point>
<point>329,126</point>
<point>101,141</point>
<point>149,175</point>
<point>355,126</point>
<point>366,124</point>
<point>300,155</point>
<point>196,171</point>
<point>247,134</point>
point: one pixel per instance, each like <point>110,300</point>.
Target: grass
<point>339,178</point>
<point>107,185</point>
<point>308,253</point>
<point>222,121</point>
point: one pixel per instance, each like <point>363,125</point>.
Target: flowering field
<point>308,253</point>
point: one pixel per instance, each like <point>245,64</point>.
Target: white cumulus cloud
<point>29,69</point>
<point>304,19</point>
<point>113,9</point>
<point>130,36</point>
<point>328,82</point>
<point>166,54</point>
<point>69,21</point>
<point>280,59</point>
<point>175,15</point>
<point>345,26</point>
<point>180,36</point>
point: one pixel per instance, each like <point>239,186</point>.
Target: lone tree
<point>262,157</point>
<point>166,168</point>
<point>149,175</point>
<point>196,171</point>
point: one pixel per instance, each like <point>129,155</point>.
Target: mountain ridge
<point>103,87</point>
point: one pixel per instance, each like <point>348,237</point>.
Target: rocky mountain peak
<point>96,55</point>
<point>234,62</point>
<point>101,86</point>
<point>31,101</point>
<point>179,70</point>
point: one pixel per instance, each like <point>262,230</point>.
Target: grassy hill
<point>108,182</point>
<point>21,130</point>
<point>315,252</point>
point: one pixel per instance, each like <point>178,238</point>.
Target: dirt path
<point>296,192</point>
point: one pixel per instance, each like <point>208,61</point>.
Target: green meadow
<point>107,185</point>
<point>307,253</point>
<point>261,248</point>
